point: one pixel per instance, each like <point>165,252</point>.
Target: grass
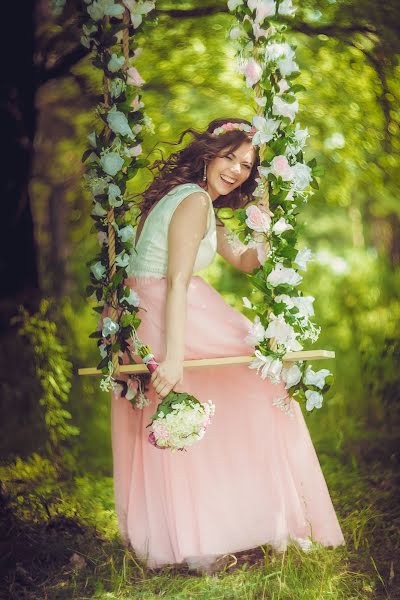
<point>61,542</point>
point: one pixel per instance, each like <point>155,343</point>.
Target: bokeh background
<point>55,443</point>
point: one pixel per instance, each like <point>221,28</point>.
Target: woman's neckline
<point>159,202</point>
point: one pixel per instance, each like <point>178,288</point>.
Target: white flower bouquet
<point>180,421</point>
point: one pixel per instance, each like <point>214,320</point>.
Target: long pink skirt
<point>253,479</point>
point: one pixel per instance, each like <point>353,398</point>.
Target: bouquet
<point>180,419</point>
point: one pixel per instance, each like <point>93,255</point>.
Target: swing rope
<point>113,312</point>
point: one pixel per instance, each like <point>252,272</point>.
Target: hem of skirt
<point>204,561</point>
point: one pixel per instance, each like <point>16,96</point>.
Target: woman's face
<point>230,169</point>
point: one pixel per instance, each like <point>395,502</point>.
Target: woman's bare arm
<point>186,230</point>
<point>243,258</point>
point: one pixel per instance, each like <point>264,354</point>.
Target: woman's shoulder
<point>186,188</point>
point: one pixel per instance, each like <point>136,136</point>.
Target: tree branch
<point>62,65</point>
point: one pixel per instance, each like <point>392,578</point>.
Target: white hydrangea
<point>183,426</point>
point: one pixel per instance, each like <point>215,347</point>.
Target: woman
<point>254,478</point>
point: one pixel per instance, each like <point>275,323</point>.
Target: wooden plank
<point>215,362</point>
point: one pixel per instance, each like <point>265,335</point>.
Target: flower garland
<point>282,321</point>
<point>113,158</point>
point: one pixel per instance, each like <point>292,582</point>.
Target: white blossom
<point>122,259</point>
<point>111,163</point>
<point>126,233</point>
<point>281,274</point>
<point>98,210</point>
<point>110,327</point>
<point>316,378</point>
<point>114,195</point>
<point>291,375</point>
<point>233,4</point>
<point>133,299</point>
<point>281,226</point>
<point>115,63</point>
<point>283,333</point>
<point>256,333</point>
<point>119,123</point>
<point>314,400</point>
<point>286,8</point>
<point>98,270</point>
<point>302,176</point>
<point>266,129</point>
<point>284,109</point>
<point>246,302</point>
<point>302,258</point>
<point>270,367</point>
<point>138,9</point>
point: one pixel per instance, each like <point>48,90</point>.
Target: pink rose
<point>281,168</point>
<point>136,104</point>
<point>257,220</point>
<point>134,78</point>
<point>252,72</point>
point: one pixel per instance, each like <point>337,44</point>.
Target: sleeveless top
<point>149,258</point>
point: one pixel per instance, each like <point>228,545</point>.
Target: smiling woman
<point>172,507</point>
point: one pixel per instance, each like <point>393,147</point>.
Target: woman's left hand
<point>166,376</point>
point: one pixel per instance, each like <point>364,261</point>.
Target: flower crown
<point>232,126</point>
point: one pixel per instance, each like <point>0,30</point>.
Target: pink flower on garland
<point>134,77</point>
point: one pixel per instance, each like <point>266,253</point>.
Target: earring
<point>205,172</point>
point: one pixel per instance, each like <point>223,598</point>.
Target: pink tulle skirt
<point>253,479</point>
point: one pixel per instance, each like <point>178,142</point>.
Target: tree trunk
<point>18,255</point>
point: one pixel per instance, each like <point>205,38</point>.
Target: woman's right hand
<point>166,376</point>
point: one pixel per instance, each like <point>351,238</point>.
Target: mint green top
<point>149,258</point>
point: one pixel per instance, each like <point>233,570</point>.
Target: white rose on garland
<point>281,274</point>
<point>111,163</point>
<point>316,378</point>
<point>126,233</point>
<point>302,176</point>
<point>133,298</point>
<point>281,108</point>
<point>266,129</point>
<point>270,367</point>
<point>257,220</point>
<point>314,399</point>
<point>281,226</point>
<point>110,327</point>
<point>98,270</point>
<point>115,63</point>
<point>256,333</point>
<point>119,123</point>
<point>303,256</point>
<point>137,9</point>
<point>291,375</point>
<point>283,333</point>
<point>286,8</point>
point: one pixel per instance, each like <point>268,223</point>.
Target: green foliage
<point>53,370</point>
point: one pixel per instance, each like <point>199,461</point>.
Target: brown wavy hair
<point>187,165</point>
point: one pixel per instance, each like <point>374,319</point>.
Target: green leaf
<point>297,88</point>
<point>314,184</point>
<point>96,334</point>
<point>312,163</point>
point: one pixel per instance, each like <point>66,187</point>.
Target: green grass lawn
<point>61,542</point>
